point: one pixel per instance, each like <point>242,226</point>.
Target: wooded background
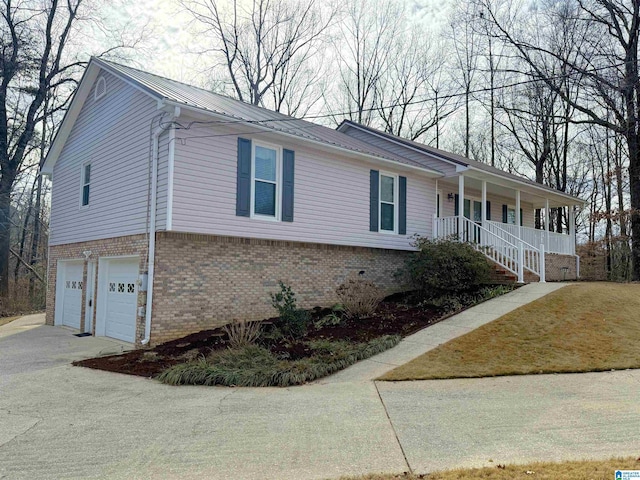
<point>541,88</point>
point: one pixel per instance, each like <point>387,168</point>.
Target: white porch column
<point>461,208</point>
<point>572,228</point>
<point>484,203</point>
<point>546,222</point>
<point>518,219</point>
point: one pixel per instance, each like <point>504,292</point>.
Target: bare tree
<point>406,93</point>
<point>465,42</point>
<point>266,48</point>
<point>605,66</point>
<point>364,46</point>
<point>36,60</point>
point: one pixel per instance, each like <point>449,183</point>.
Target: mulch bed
<point>393,317</point>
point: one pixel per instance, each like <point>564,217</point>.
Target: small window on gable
<point>100,89</point>
<point>85,185</point>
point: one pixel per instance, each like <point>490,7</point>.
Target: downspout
<point>155,139</point>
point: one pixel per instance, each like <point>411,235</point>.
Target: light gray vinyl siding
<point>112,133</point>
<point>331,200</point>
<point>424,159</point>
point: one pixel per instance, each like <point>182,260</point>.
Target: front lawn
<point>575,470</point>
<point>580,328</point>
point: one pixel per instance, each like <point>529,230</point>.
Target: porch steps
<point>501,276</point>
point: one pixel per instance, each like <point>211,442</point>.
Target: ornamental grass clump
<point>242,333</point>
<point>359,297</point>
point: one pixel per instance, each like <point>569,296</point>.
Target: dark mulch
<point>394,316</point>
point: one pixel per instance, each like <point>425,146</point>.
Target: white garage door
<point>72,293</point>
<point>121,299</point>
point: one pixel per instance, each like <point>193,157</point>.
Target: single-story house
<point>175,209</point>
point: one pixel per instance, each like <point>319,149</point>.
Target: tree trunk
<point>6,183</point>
<point>634,186</point>
<point>35,237</point>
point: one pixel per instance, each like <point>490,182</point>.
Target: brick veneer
<point>554,263</point>
<point>119,246</point>
<point>204,281</point>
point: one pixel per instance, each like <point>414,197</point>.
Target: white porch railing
<point>558,242</point>
<point>497,244</point>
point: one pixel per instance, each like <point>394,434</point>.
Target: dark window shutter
<point>521,218</point>
<point>402,206</point>
<point>243,187</point>
<point>488,210</point>
<point>504,213</point>
<point>374,196</point>
<point>456,206</point>
<point>288,173</point>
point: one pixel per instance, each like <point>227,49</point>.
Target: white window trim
<point>395,202</point>
<point>512,207</point>
<point>100,81</point>
<point>278,181</point>
<point>82,185</point>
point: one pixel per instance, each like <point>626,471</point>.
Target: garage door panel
<point>72,293</point>
<point>121,299</point>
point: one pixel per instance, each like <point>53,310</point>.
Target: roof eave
<point>326,145</point>
<point>544,192</point>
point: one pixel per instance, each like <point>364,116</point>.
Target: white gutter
<point>323,145</point>
<point>152,220</point>
<point>170,168</point>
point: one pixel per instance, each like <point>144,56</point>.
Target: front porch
<point>509,237</point>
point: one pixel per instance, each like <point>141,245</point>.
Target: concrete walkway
<point>60,422</point>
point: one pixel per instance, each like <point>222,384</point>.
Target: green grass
<point>580,328</point>
<point>575,470</point>
<point>255,366</point>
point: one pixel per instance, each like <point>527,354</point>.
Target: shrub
<point>359,297</point>
<point>293,320</point>
<point>444,267</point>
<point>242,333</point>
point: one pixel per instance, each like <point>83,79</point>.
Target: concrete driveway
<point>59,422</point>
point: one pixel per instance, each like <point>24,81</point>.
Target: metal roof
<point>455,158</point>
<point>188,95</point>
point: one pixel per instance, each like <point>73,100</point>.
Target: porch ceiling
<point>507,188</point>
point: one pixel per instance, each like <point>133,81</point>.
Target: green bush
<point>443,268</point>
<point>255,366</point>
<point>293,321</point>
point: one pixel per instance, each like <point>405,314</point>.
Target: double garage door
<point>117,297</point>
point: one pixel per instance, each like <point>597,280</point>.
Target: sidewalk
<point>22,324</point>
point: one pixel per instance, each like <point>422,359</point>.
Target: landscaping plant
<point>359,297</point>
<point>293,321</point>
<point>444,267</point>
<point>242,333</point>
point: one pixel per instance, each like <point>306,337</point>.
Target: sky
<point>172,46</point>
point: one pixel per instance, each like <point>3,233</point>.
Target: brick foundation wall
<point>554,263</point>
<point>129,245</point>
<point>204,281</point>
